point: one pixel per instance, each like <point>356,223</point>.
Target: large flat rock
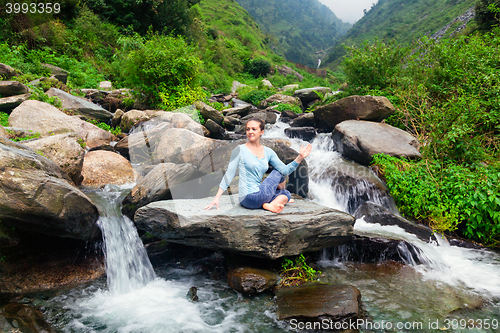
<point>301,227</point>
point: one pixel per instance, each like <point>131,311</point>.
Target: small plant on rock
<point>295,273</point>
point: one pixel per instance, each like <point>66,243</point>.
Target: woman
<point>253,161</point>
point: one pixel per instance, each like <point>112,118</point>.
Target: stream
<point>448,288</point>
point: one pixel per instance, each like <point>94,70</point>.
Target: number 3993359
<point>33,8</point>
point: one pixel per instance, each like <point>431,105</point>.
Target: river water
<point>447,288</point>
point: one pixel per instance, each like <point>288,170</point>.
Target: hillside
<point>302,29</point>
<point>403,21</point>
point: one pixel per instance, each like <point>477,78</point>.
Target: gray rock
<point>208,112</point>
<point>64,150</point>
<point>7,72</point>
<point>47,120</point>
<point>59,73</point>
<point>4,133</point>
<point>37,195</point>
<point>304,133</point>
<point>117,117</point>
<point>7,104</point>
<point>241,111</point>
<point>290,87</point>
<point>303,120</point>
<point>231,122</point>
<point>301,227</point>
<point>309,94</point>
<point>165,181</point>
<point>315,302</point>
<point>11,88</point>
<point>285,71</point>
<point>248,280</point>
<point>237,85</point>
<point>280,98</point>
<point>376,214</point>
<point>105,85</point>
<point>238,102</point>
<point>80,106</point>
<point>267,83</point>
<point>360,140</point>
<point>216,131</point>
<point>373,108</point>
<point>132,118</point>
<point>271,117</point>
<point>179,120</point>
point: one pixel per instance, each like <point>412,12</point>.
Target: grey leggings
<point>267,192</point>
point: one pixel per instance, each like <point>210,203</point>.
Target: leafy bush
<point>255,96</point>
<point>448,198</point>
<point>4,119</point>
<point>257,67</point>
<point>294,273</point>
<point>488,13</point>
<point>284,107</point>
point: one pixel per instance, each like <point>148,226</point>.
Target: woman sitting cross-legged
<point>253,160</point>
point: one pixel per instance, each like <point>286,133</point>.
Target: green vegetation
<point>294,273</point>
<point>487,14</point>
<point>447,94</point>
<point>401,20</point>
<point>82,143</point>
<point>283,107</point>
<point>4,119</point>
<point>35,135</point>
<point>297,28</point>
<point>106,127</point>
<point>255,96</point>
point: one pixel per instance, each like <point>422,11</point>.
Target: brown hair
<point>260,121</point>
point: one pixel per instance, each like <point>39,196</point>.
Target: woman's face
<point>253,131</point>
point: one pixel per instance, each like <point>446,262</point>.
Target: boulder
<point>248,280</point>
<point>59,73</point>
<point>267,83</point>
<point>46,119</point>
<point>7,104</point>
<point>165,181</point>
<point>238,102</point>
<point>208,112</point>
<point>280,98</point>
<point>105,85</point>
<point>317,302</point>
<point>304,133</point>
<point>373,213</point>
<point>101,167</point>
<point>308,95</point>
<point>216,131</point>
<point>4,133</point>
<point>26,318</point>
<point>237,85</point>
<point>289,114</point>
<point>260,115</point>
<point>285,71</point>
<point>7,72</point>
<point>130,118</point>
<point>11,88</point>
<point>80,106</point>
<point>303,120</point>
<point>290,87</point>
<point>179,120</point>
<point>8,237</point>
<point>360,140</point>
<point>231,122</point>
<point>241,111</point>
<point>35,194</point>
<point>117,118</point>
<point>373,108</point>
<point>271,117</point>
<point>301,227</point>
<point>64,150</point>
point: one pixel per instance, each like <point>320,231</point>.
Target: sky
<point>348,11</point>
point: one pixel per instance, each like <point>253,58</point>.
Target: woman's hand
<point>216,200</point>
<point>304,152</point>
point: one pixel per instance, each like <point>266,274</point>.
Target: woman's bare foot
<point>291,201</point>
<point>273,207</point>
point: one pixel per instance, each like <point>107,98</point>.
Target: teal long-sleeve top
<point>252,168</point>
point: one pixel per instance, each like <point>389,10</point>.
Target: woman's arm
<point>216,200</point>
<point>290,167</point>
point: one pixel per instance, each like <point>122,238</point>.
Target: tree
<point>488,13</point>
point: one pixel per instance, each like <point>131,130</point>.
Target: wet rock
<point>11,88</point>
<point>26,318</point>
<point>259,115</point>
<point>231,122</point>
<point>47,120</point>
<point>7,104</point>
<point>304,133</point>
<point>360,140</point>
<point>7,72</point>
<point>373,108</point>
<point>310,94</point>
<point>271,117</point>
<point>208,112</point>
<point>301,227</point>
<point>65,151</point>
<point>130,118</point>
<point>241,111</point>
<point>289,114</point>
<point>316,302</point>
<point>165,181</point>
<point>35,194</point>
<point>80,106</point>
<point>373,213</point>
<point>249,280</point>
<point>303,120</point>
<point>280,98</point>
<point>192,294</point>
<point>102,167</point>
